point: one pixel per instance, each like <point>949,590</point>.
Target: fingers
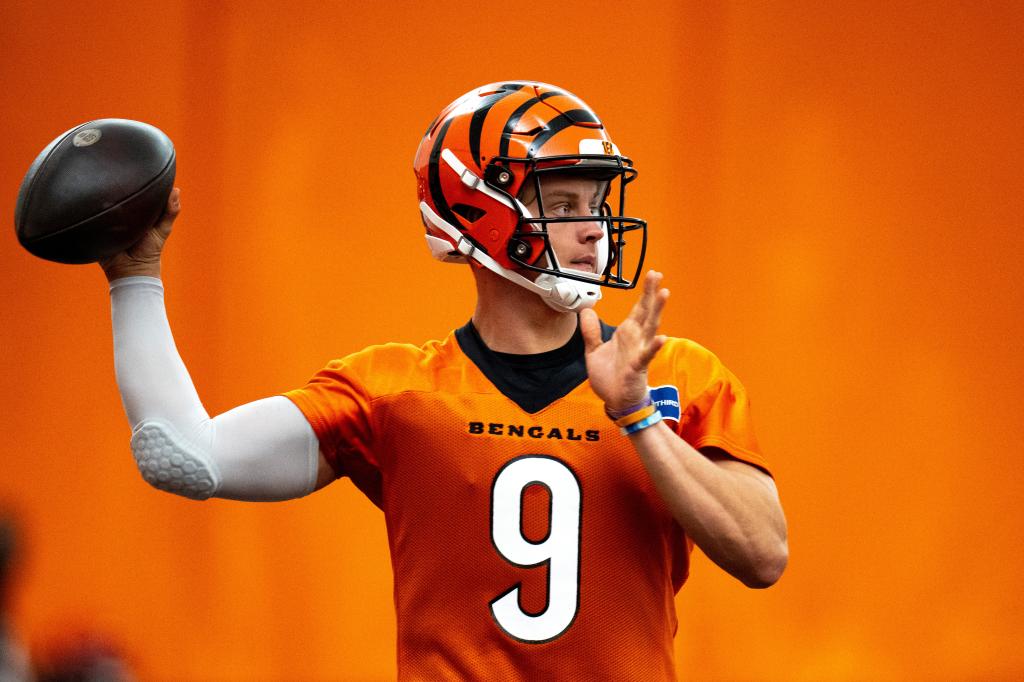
<point>653,320</point>
<point>590,326</point>
<point>641,308</point>
<point>647,311</point>
<point>652,349</point>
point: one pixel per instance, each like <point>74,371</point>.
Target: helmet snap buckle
<point>466,247</point>
<point>469,178</point>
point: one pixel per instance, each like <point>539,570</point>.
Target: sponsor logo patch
<point>666,398</point>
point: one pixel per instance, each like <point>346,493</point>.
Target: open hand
<point>143,257</point>
<point>618,367</point>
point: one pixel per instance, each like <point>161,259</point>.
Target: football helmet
<point>473,164</point>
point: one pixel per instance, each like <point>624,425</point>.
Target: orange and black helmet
<point>478,154</point>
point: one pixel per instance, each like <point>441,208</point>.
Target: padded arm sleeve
<point>265,450</point>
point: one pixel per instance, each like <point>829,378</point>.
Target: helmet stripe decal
<point>559,124</point>
<point>434,179</point>
<point>476,125</point>
<point>513,120</point>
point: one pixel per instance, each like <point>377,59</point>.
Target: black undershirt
<point>530,381</point>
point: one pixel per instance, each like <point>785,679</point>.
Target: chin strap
<point>564,295</point>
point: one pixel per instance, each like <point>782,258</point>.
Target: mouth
<point>585,263</point>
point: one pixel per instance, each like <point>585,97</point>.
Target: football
<point>95,190</point>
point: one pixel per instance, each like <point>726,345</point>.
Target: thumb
<point>590,326</point>
<point>163,225</point>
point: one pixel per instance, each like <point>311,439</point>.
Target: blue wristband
<point>640,425</point>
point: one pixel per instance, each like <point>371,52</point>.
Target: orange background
<point>834,192</point>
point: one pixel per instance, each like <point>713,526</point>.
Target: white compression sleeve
<point>265,450</point>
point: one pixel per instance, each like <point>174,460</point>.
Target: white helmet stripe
<point>470,179</point>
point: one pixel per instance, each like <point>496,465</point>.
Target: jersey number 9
<point>559,551</point>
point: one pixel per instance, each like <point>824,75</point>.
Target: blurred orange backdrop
<point>834,193</point>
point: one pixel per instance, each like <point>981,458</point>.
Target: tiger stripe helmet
<point>475,160</point>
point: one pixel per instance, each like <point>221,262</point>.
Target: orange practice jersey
<point>524,546</point>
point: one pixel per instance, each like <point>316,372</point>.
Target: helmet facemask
<point>531,245</point>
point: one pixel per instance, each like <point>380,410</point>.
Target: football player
<point>543,475</point>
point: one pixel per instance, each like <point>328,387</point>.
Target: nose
<point>589,231</point>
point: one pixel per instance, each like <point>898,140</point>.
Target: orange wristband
<point>638,416</point>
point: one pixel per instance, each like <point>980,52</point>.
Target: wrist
<point>134,270</point>
<point>136,282</point>
<point>636,417</point>
<point>628,407</point>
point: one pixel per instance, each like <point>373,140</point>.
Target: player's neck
<point>511,319</point>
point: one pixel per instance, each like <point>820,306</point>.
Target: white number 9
<point>560,550</point>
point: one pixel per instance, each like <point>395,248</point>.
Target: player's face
<point>575,243</point>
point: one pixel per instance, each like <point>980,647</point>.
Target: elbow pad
<point>169,462</point>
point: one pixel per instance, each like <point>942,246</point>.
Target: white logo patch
<point>600,147</point>
<point>84,138</point>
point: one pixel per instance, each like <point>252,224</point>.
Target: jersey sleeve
<point>718,412</point>
<point>338,407</point>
